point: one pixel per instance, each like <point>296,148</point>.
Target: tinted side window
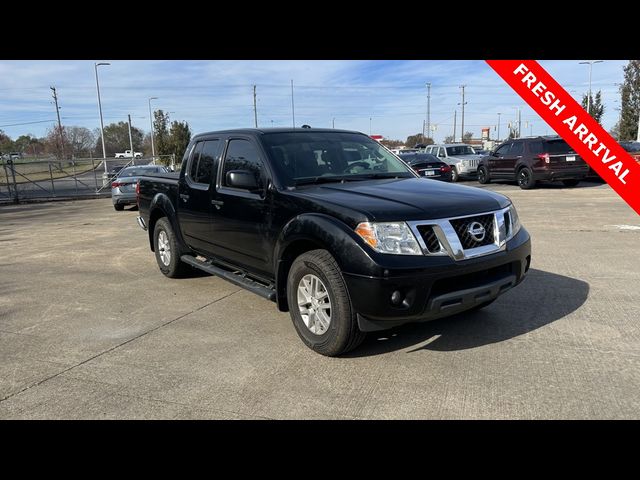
<point>535,147</point>
<point>193,166</point>
<point>243,155</point>
<point>206,171</point>
<point>502,150</point>
<point>516,148</point>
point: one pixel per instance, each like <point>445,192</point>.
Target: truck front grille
<point>470,233</point>
<point>464,237</point>
<point>430,239</point>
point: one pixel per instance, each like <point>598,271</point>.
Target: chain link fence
<point>53,178</point>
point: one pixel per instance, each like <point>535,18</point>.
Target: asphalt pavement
<point>89,328</point>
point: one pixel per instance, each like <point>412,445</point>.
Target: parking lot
<point>89,328</point>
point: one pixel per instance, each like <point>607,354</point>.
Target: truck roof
<point>260,131</point>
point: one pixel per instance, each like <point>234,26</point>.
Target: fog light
<point>396,297</point>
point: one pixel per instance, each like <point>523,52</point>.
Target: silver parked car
<point>462,158</point>
<point>123,187</point>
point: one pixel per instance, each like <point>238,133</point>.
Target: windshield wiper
<point>368,176</point>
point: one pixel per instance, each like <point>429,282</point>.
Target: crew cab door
<point>194,195</point>
<point>241,216</point>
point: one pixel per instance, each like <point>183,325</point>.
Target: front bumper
<point>444,289</point>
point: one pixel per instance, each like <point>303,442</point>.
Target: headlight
<point>395,238</point>
<point>514,222</point>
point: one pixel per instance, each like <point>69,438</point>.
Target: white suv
<point>462,158</point>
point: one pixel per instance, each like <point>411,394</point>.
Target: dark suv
<point>528,160</point>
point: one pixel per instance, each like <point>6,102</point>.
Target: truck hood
<point>403,199</point>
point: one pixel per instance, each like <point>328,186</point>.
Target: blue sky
<point>379,97</point>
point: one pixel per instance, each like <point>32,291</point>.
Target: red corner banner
<point>571,122</point>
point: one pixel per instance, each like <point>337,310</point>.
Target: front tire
<point>455,176</point>
<point>525,178</point>
<point>319,305</point>
<point>167,250</point>
<point>483,176</point>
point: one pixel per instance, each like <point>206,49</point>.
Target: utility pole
<point>153,148</point>
<point>333,124</point>
<point>455,114</point>
<point>429,108</point>
<point>498,137</point>
<point>104,152</point>
<point>293,110</point>
<point>133,154</point>
<point>55,98</point>
<point>462,121</point>
<point>369,126</point>
<point>255,109</point>
<point>519,123</point>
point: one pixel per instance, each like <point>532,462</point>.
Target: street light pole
<point>498,137</point>
<point>590,63</point>
<point>133,153</point>
<point>153,148</point>
<point>104,152</point>
<point>429,108</point>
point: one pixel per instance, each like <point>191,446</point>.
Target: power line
<point>27,123</point>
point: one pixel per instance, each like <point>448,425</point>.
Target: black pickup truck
<point>334,228</point>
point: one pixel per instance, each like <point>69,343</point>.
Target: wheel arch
<point>310,232</point>
<point>160,207</point>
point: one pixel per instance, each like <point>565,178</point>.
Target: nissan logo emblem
<point>477,231</point>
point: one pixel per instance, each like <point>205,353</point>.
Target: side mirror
<point>494,153</point>
<point>242,179</point>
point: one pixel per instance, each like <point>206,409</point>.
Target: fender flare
<point>162,203</point>
<point>314,230</point>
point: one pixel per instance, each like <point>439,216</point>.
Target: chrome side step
<point>235,277</point>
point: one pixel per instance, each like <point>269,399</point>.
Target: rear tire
<point>570,183</point>
<point>525,178</point>
<point>483,176</point>
<point>167,250</point>
<point>338,332</point>
<point>118,207</point>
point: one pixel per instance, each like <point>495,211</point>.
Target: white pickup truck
<point>127,154</point>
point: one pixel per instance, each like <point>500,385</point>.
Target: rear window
<point>138,172</point>
<point>535,147</point>
<point>557,146</point>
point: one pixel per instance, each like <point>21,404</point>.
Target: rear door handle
<point>184,196</point>
<point>217,203</point>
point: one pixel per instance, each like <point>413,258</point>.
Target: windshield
<point>137,172</point>
<point>314,157</point>
<point>460,150</point>
<point>631,146</point>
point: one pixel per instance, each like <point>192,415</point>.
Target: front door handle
<point>184,196</point>
<point>217,203</point>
